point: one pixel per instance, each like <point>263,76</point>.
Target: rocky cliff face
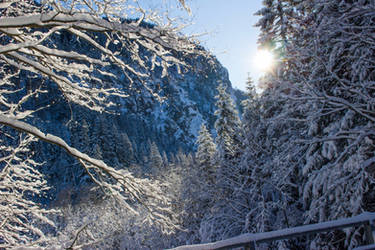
<point>123,136</point>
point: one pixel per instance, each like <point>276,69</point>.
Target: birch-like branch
<point>150,196</point>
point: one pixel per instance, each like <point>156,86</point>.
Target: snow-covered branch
<point>144,192</point>
<point>107,51</point>
<point>20,182</point>
<point>29,35</point>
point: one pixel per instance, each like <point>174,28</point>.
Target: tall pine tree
<point>324,113</point>
<point>155,160</point>
<point>205,153</point>
<point>219,224</point>
<point>228,128</point>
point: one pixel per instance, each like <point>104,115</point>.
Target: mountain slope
<point>169,113</point>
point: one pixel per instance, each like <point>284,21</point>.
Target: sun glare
<point>263,60</point>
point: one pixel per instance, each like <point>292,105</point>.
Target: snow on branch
<point>28,32</point>
<point>103,46</point>
<point>120,184</point>
<point>20,179</point>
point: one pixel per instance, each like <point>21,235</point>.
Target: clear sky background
<point>232,36</point>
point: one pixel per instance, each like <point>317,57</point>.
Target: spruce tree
<point>228,140</point>
<point>227,127</point>
<point>155,160</point>
<point>205,153</point>
<point>124,151</point>
<point>219,223</point>
<point>318,134</point>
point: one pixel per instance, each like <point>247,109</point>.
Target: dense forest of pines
<point>305,150</point>
<point>301,152</point>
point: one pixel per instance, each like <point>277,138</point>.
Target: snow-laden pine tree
<point>228,141</point>
<point>257,200</point>
<point>125,151</point>
<point>276,25</point>
<point>252,199</point>
<point>267,194</point>
<point>228,129</point>
<point>193,198</point>
<point>204,156</point>
<point>28,31</point>
<point>272,22</point>
<point>155,160</point>
<point>326,84</point>
<point>340,143</point>
<point>219,223</point>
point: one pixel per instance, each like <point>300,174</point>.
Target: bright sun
<point>263,60</point>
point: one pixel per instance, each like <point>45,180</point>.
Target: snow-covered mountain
<point>123,135</point>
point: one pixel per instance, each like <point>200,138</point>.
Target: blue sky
<point>232,37</point>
